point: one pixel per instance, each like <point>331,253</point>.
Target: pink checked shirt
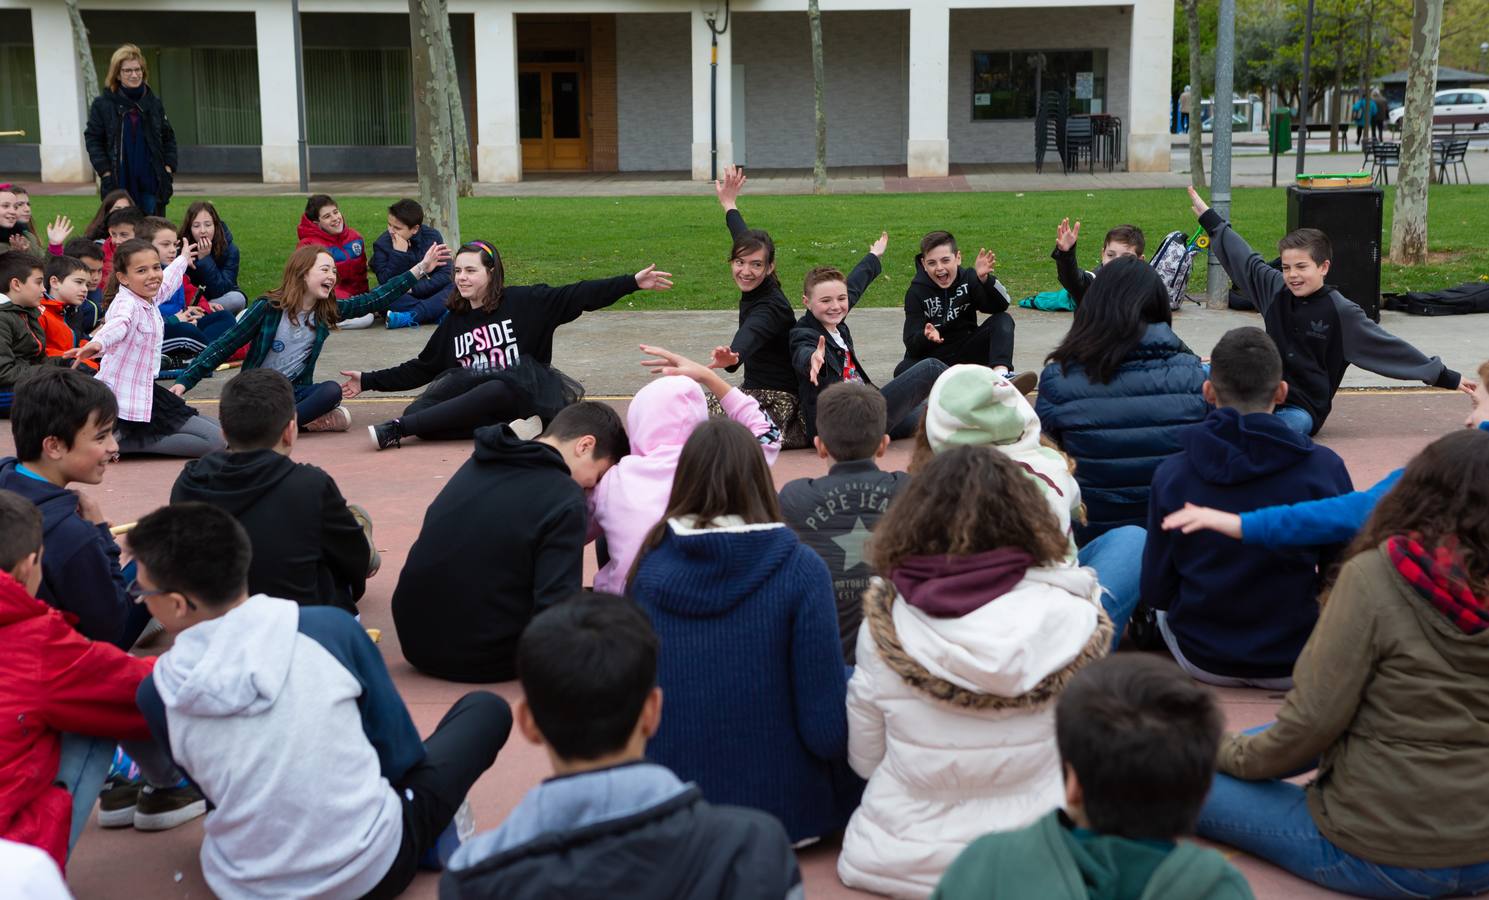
<point>131,334</point>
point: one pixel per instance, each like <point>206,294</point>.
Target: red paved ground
<point>1373,432</point>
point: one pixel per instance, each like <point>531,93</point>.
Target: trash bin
<point>1352,218</point>
<point>1280,134</point>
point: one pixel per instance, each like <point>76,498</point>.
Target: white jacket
<point>952,722</point>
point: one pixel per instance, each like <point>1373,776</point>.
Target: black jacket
<point>80,568</point>
<point>1319,336</point>
<point>104,136</point>
<point>762,339</point>
<point>679,849</point>
<point>503,541</point>
<point>833,515</point>
<point>307,546</point>
<point>520,327</point>
<point>808,331</point>
<point>1075,280</point>
<point>953,310</point>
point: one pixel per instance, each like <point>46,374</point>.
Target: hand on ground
<point>179,390</point>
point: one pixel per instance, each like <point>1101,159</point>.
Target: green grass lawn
<point>557,240</point>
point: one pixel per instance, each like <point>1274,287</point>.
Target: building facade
<point>599,85</point>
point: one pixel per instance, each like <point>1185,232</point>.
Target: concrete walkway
<point>600,349</point>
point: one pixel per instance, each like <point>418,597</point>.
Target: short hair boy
<point>835,513</point>
<point>1237,616</point>
<point>1137,743</point>
<point>62,308</point>
<point>63,426</point>
<point>308,543</point>
<point>467,589</point>
<point>589,677</point>
<point>823,354</point>
<point>1123,240</point>
<point>941,307</point>
<point>402,244</point>
<point>22,335</point>
<point>330,741</point>
<point>1318,330</point>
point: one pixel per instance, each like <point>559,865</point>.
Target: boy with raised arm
<point>1124,240</point>
<point>941,307</point>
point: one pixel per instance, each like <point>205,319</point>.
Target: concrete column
<point>498,144</point>
<point>59,95</point>
<point>1151,61</point>
<point>928,151</point>
<point>279,118</point>
<point>703,99</point>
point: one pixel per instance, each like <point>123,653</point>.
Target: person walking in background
<point>129,139</point>
<point>1186,101</point>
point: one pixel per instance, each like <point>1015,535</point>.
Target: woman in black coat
<point>130,141</point>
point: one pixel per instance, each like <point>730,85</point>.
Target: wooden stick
<point>122,529</point>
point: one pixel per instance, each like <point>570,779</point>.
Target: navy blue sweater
<point>1238,609</point>
<point>753,674</point>
<point>1120,431</point>
<point>80,568</point>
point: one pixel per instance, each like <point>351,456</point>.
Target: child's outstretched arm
<point>1257,280</point>
<point>737,405</point>
<point>1331,520</point>
<point>1374,349</point>
<point>727,189</point>
<point>243,331</point>
<point>988,295</point>
<point>867,269</point>
<point>1072,277</point>
<point>382,296</point>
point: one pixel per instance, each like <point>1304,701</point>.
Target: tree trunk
<point>1196,96</point>
<point>84,51</point>
<point>434,136</point>
<point>1409,214</point>
<point>457,120</point>
<point>819,162</point>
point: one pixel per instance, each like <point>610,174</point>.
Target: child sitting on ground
<point>491,360</point>
<point>1319,331</point>
<point>86,317</point>
<point>191,322</point>
<point>633,495</point>
<point>58,681</point>
<point>1238,616</point>
<point>823,354</point>
<point>151,419</point>
<point>466,593</point>
<point>610,823</point>
<point>1137,747</point>
<point>215,272</point>
<point>23,338</point>
<point>287,720</point>
<point>98,228</point>
<point>396,250</point>
<point>941,307</point>
<point>63,428</point>
<point>67,291</point>
<point>324,226</point>
<point>1124,240</point>
<point>308,544</point>
<point>285,329</point>
<point>835,514</point>
<point>750,661</point>
<point>974,626</point>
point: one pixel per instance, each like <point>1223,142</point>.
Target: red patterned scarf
<point>1439,576</point>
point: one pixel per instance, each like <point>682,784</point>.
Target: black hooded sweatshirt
<point>307,546</point>
<point>953,310</point>
<point>763,338</point>
<point>503,541</point>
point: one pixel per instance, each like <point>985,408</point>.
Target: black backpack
<point>1471,297</point>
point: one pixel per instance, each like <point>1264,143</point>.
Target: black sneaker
<point>161,808</point>
<point>386,435</point>
<point>1142,629</point>
<point>116,804</point>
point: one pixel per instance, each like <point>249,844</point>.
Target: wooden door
<point>553,118</point>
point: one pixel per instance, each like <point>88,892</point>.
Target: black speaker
<point>1352,218</point>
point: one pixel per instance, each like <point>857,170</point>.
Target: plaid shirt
<point>131,334</point>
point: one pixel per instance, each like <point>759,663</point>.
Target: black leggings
<point>487,403</point>
<point>464,745</point>
<point>990,345</point>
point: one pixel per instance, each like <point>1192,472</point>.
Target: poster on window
<point>1085,85</point>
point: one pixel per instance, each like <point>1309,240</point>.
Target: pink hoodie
<point>632,496</point>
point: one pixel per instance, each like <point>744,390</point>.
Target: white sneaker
<point>527,428</point>
<point>338,419</point>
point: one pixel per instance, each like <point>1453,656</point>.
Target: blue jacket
<point>1235,609</point>
<point>80,568</point>
<point>217,277</point>
<point>388,263</point>
<point>1334,520</point>
<point>1120,431</point>
<point>753,673</point>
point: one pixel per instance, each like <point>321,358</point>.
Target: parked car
<point>1458,101</point>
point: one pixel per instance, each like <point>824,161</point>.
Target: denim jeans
<point>1296,417</point>
<point>315,400</point>
<point>905,396</point>
<point>84,767</point>
<point>1117,557</point>
<point>425,311</point>
<point>1270,820</point>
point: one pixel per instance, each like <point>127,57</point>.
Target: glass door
<point>552,118</point>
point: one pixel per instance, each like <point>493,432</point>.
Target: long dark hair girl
<point>98,229</point>
<point>219,237</point>
<point>1123,301</point>
<point>720,472</point>
<point>489,297</point>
